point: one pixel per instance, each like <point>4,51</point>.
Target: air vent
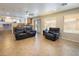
<point>64,4</point>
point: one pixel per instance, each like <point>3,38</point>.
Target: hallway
<point>35,46</point>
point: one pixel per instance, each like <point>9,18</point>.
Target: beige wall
<point>60,22</point>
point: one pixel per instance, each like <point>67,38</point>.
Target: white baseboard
<point>70,40</point>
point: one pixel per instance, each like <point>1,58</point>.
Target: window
<point>71,24</point>
<point>50,22</point>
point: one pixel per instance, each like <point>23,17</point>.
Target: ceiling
<point>34,9</point>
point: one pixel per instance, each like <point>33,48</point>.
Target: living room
<point>51,30</point>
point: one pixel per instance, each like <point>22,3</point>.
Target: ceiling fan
<point>29,14</point>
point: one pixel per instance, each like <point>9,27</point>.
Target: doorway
<point>38,25</point>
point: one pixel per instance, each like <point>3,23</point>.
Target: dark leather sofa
<point>22,33</point>
<point>53,34</point>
